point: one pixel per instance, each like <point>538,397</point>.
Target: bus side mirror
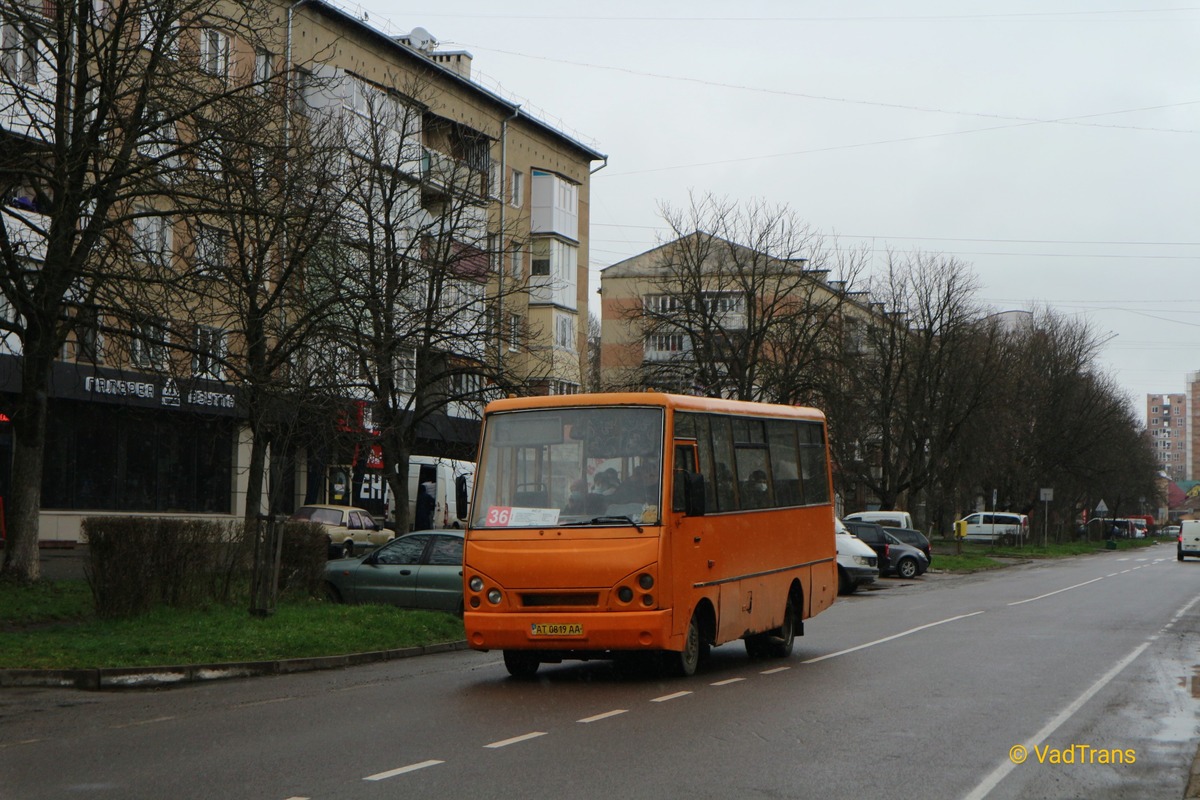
<point>693,494</point>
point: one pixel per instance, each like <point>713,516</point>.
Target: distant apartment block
<point>1167,422</point>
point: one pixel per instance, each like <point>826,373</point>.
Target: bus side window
<point>685,462</point>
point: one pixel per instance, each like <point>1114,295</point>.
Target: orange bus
<point>610,524</point>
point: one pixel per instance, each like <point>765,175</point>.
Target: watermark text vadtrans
<point>1073,754</point>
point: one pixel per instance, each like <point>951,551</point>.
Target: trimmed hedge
<point>138,563</point>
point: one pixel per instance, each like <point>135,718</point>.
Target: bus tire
<point>521,664</point>
<point>778,643</point>
<point>683,664</point>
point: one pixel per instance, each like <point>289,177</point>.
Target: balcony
<point>449,175</point>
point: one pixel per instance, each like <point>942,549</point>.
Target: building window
<point>151,236</point>
<point>517,260</point>
<point>564,332</point>
<point>562,387</point>
<point>406,371</point>
<point>493,250</point>
<point>514,331</point>
<point>262,70</point>
<point>210,352</point>
<point>147,347</point>
<point>541,257</point>
<point>18,53</point>
<point>87,335</point>
<point>212,250</point>
<point>663,304</point>
<point>214,52</point>
<point>517,198</point>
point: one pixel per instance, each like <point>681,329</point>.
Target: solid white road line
<point>1057,591</point>
<point>890,638</point>
<point>391,773</point>
<point>991,781</point>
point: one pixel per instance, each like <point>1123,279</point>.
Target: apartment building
<point>1167,424</point>
<point>147,416</point>
<point>704,315</point>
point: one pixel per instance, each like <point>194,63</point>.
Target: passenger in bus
<point>577,499</point>
<point>754,491</point>
<point>606,482</point>
<point>642,486</point>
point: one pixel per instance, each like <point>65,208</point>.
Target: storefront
<point>129,442</point>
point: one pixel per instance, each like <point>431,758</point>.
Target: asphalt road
<point>918,689</point>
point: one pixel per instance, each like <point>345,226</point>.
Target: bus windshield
<point>570,466</point>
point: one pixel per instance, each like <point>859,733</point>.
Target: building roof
<point>412,55</point>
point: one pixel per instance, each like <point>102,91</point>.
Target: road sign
<point>1047,495</point>
<point>1101,508</point>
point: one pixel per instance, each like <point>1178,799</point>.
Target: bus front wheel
<point>684,663</point>
<point>521,664</point>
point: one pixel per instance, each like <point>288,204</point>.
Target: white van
<point>1189,538</point>
<point>888,519</point>
<point>447,480</point>
<point>995,527</point>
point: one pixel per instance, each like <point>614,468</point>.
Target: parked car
<point>914,538</point>
<point>1189,539</point>
<point>1171,531</point>
<point>348,528</point>
<point>996,527</point>
<point>418,570</point>
<point>857,563</point>
<point>895,557</point>
<point>888,519</point>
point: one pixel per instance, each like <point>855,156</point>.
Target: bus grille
<point>544,600</point>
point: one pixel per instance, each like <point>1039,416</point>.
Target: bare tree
<point>740,304</point>
<point>422,291</point>
<point>905,398</point>
<point>92,96</point>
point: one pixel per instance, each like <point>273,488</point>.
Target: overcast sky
<point>1054,146</point>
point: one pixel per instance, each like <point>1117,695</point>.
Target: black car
<point>915,538</point>
<point>895,557</point>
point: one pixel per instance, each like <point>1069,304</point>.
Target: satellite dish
<point>421,39</point>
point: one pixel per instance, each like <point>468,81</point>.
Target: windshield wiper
<point>616,518</point>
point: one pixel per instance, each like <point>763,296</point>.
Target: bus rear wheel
<point>777,643</point>
<point>521,664</point>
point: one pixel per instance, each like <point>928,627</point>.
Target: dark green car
<point>419,570</point>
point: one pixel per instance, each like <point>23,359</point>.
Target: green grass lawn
<point>976,557</point>
<point>51,626</point>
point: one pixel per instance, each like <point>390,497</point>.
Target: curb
<point>108,678</point>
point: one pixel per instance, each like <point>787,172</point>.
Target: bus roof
<point>677,401</point>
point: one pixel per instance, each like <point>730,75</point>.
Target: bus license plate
<point>557,629</point>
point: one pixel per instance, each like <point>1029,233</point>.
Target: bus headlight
<point>476,583</point>
<point>493,596</point>
<point>646,581</point>
<point>625,594</point>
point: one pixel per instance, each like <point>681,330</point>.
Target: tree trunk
<point>25,497</point>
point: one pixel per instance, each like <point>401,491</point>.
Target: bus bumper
<point>633,630</point>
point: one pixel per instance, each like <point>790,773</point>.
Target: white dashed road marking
<point>605,715</point>
<point>391,773</point>
<point>515,740</point>
<point>667,697</point>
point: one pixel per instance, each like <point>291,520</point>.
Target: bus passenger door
<point>693,538</point>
